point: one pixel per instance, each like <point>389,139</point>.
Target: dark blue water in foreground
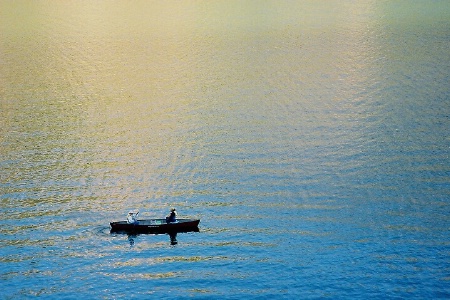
<point>310,137</point>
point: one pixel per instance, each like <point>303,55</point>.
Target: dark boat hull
<point>156,226</point>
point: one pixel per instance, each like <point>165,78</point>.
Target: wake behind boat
<point>156,226</point>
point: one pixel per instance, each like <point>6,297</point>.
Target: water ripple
<point>310,139</point>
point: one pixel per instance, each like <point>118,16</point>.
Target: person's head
<point>173,209</point>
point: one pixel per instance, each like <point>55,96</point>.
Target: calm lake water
<point>311,138</point>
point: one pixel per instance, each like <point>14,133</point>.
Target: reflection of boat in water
<point>172,235</point>
<point>156,226</point>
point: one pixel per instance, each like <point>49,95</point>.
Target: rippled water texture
<point>310,137</point>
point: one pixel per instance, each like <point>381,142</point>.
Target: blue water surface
<point>310,137</point>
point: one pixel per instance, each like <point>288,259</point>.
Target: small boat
<point>156,226</point>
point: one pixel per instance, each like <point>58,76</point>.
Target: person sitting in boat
<point>172,216</point>
<point>132,217</point>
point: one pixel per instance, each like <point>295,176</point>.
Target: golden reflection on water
<point>168,259</point>
<point>117,99</point>
<point>143,81</point>
<point>136,275</point>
